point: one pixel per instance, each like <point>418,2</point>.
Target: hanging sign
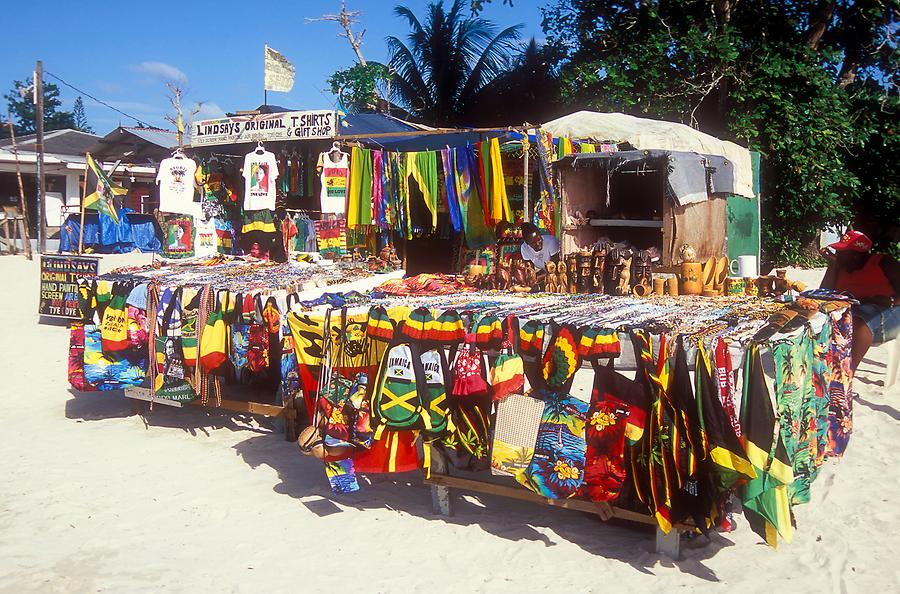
<point>265,127</point>
<point>59,284</point>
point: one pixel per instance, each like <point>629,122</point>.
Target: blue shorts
<point>884,322</point>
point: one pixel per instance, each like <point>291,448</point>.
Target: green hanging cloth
<point>422,167</point>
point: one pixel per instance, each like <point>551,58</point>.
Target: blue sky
<point>122,52</point>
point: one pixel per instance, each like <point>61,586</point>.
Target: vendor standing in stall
<point>538,249</point>
<point>872,278</point>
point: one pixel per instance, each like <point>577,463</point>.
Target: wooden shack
<point>630,196</point>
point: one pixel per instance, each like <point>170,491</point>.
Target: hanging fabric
<point>422,166</point>
<point>500,210</point>
<point>450,185</point>
<point>484,177</point>
<point>477,233</point>
<point>359,198</point>
<point>545,211</point>
<point>378,206</point>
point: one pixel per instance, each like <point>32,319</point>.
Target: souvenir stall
<point>206,331</point>
<point>482,381</point>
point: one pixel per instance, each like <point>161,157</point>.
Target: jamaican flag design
<point>725,451</point>
<point>99,190</point>
<point>765,498</point>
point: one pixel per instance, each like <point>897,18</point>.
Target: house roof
<point>57,142</point>
<point>136,145</point>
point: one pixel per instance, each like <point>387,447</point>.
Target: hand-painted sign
<point>265,127</point>
<point>59,284</point>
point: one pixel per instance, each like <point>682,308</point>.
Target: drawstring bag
<point>290,371</point>
<point>469,373</point>
<point>467,445</point>
<point>257,337</point>
<point>214,338</point>
<point>361,434</point>
<point>172,376</point>
<point>99,370</point>
<point>507,373</point>
<point>517,422</point>
<point>114,324</point>
<point>76,359</point>
<point>190,308</point>
<point>240,338</point>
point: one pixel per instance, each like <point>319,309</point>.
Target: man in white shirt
<point>538,249</point>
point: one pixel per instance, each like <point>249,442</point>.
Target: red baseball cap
<point>853,241</point>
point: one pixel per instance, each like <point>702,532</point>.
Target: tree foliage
<point>23,110</point>
<point>447,61</point>
<point>80,117</point>
<point>811,84</point>
<point>360,87</point>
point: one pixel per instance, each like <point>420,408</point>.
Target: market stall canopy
<point>648,134</point>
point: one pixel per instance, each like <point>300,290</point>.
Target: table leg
<point>440,495</point>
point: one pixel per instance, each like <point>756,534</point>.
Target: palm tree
<point>448,61</point>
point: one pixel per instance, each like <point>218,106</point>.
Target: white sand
<point>92,499</point>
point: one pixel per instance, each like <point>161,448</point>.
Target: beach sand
<point>94,498</point>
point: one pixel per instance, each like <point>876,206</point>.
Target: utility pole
<point>39,145</point>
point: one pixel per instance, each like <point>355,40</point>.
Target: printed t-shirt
<point>334,182</point>
<point>260,173</point>
<point>176,185</point>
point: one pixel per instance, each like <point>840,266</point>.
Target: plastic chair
<point>893,362</point>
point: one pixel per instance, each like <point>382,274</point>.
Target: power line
<point>140,123</point>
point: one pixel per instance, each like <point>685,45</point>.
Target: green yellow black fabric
<point>765,499</point>
<point>422,166</point>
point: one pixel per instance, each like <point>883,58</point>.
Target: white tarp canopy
<point>647,134</point>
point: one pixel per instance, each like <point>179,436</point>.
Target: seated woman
<point>872,278</point>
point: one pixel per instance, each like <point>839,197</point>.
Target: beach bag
<point>515,432</point>
<point>104,372</point>
<point>337,411</point>
<point>214,338</point>
<point>556,470</point>
<point>615,420</point>
<point>114,324</point>
<point>76,359</point>
<point>172,381</point>
<point>361,433</point>
<point>469,373</point>
<point>138,331</point>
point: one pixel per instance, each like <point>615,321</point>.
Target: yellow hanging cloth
<point>499,203</point>
<point>355,185</point>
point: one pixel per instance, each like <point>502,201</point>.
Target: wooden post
<point>669,544</point>
<point>25,239</point>
<point>526,145</point>
<point>440,495</point>
<point>83,194</point>
<point>39,148</point>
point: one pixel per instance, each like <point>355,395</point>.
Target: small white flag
<point>279,72</point>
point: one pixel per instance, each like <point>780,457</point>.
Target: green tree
<point>797,80</point>
<point>448,61</point>
<point>23,110</point>
<point>358,86</point>
<point>80,117</point>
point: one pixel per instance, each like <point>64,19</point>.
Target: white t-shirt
<point>335,176</point>
<point>540,259</point>
<point>205,237</point>
<point>176,185</point>
<point>260,173</point>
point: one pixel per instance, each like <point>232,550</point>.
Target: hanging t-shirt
<point>334,182</point>
<point>260,173</point>
<point>205,243</point>
<point>176,185</point>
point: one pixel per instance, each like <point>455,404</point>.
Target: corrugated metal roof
<point>164,138</point>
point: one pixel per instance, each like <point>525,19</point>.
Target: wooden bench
<point>441,483</point>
